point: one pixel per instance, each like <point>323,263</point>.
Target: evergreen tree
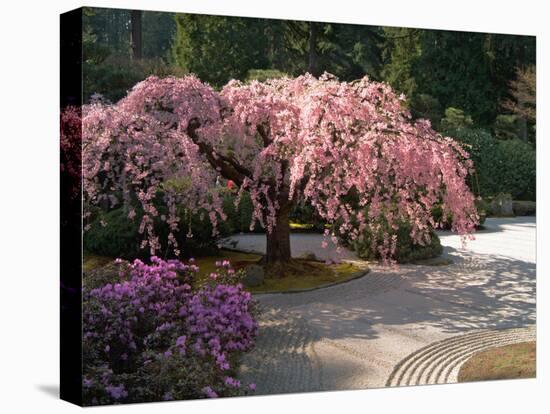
<point>401,48</point>
<point>219,48</point>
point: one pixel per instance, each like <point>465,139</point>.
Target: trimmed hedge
<point>524,208</point>
<point>501,166</point>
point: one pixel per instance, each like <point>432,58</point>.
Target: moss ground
<point>297,275</point>
<point>506,362</point>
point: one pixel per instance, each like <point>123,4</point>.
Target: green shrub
<point>108,272</point>
<point>406,251</point>
<point>427,107</point>
<point>506,127</point>
<point>239,217</point>
<point>113,77</point>
<point>306,214</point>
<point>516,169</point>
<point>484,153</point>
<point>501,166</point>
<point>455,119</point>
<point>120,236</point>
<point>483,210</point>
<point>524,208</point>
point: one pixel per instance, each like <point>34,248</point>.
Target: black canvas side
<point>71,213</point>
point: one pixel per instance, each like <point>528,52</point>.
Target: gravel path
<point>417,319</point>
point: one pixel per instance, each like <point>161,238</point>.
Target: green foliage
<point>444,222</point>
<point>219,48</point>
<point>516,169</point>
<point>347,51</point>
<point>501,166</point>
<point>401,49</point>
<point>460,69</point>
<point>506,127</point>
<point>480,73</point>
<point>522,102</point>
<point>159,29</point>
<point>455,68</point>
<point>113,234</point>
<point>483,210</point>
<point>239,217</point>
<point>427,107</point>
<point>110,28</point>
<point>484,153</point>
<point>107,65</point>
<point>524,208</point>
<point>307,216</point>
<point>119,237</point>
<point>102,270</point>
<point>261,75</point>
<point>407,251</point>
<point>113,77</point>
<point>455,119</point>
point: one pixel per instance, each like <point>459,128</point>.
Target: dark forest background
<point>476,87</point>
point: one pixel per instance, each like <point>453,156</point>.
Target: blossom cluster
<point>152,335</point>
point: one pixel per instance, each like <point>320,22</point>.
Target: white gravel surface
<point>397,326</point>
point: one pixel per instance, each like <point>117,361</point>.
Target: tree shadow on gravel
<point>475,292</point>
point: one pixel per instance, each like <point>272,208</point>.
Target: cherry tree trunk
<point>278,241</point>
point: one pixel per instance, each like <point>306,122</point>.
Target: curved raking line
<point>439,363</point>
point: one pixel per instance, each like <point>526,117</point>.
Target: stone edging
<point>356,275</point>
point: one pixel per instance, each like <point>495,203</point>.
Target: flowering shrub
<point>152,336</point>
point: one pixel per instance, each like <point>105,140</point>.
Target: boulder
<point>502,205</point>
<point>309,256</point>
<point>254,276</point>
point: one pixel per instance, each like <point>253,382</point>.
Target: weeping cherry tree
<point>349,149</point>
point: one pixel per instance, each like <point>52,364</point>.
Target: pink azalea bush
<point>285,141</point>
<point>152,336</point>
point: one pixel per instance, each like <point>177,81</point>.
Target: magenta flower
<point>209,392</point>
<point>117,392</point>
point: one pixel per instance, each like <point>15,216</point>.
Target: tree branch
<point>264,133</point>
<point>227,167</point>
